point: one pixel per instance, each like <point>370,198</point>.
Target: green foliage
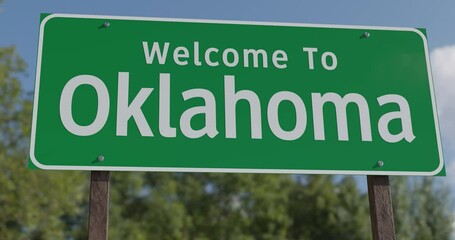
<point>33,204</point>
<point>431,206</point>
<point>324,210</point>
<point>401,200</point>
<point>422,208</point>
<point>10,99</point>
<point>202,206</point>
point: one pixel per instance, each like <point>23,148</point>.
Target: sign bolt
<point>100,158</point>
<point>366,35</point>
<point>106,24</point>
<point>380,163</point>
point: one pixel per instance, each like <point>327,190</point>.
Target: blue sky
<point>19,23</point>
<point>19,19</point>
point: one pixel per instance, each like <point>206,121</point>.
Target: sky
<point>19,19</point>
<point>19,24</point>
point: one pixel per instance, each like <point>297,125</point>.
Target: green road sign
<point>149,94</point>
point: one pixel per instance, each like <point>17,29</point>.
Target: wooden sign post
<point>99,205</point>
<point>381,212</point>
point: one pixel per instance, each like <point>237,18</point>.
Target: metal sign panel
<point>151,94</point>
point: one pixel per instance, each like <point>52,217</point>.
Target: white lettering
<point>255,53</point>
<point>310,56</point>
<point>207,57</point>
<point>404,115</point>
<point>324,60</point>
<point>181,52</point>
<point>300,114</point>
<point>165,107</point>
<point>150,55</point>
<point>231,99</point>
<point>125,111</point>
<point>235,59</point>
<point>197,62</point>
<point>279,55</point>
<point>66,103</point>
<point>209,110</point>
<point>340,107</point>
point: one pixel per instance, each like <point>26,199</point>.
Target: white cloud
<point>443,66</point>
<point>443,69</point>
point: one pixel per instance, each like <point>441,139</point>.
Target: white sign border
<point>225,170</point>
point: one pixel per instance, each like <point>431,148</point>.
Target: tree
<point>353,210</point>
<point>321,209</point>
<point>199,206</point>
<point>422,208</point>
<point>431,210</point>
<point>33,204</point>
<point>401,200</point>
